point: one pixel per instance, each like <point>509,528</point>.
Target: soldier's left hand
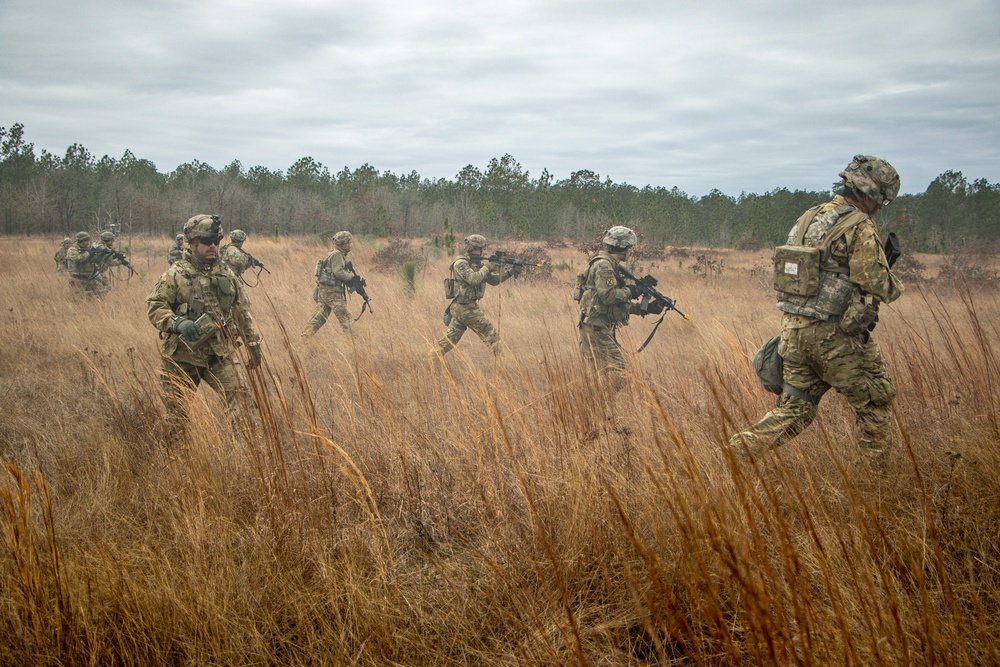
<point>256,358</point>
<point>655,308</point>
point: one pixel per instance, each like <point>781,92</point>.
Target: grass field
<point>384,510</point>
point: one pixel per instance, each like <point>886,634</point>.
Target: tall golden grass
<point>379,509</point>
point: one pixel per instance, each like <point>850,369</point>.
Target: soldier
<point>105,259</point>
<point>469,279</point>
<point>605,305</point>
<point>83,263</point>
<point>825,339</point>
<point>197,305</point>
<point>60,256</point>
<point>333,272</point>
<point>176,250</point>
<point>233,254</point>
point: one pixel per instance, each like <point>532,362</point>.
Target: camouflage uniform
<point>84,264</point>
<point>176,249</point>
<point>470,280</point>
<point>185,292</point>
<point>60,256</point>
<point>825,340</point>
<point>233,254</point>
<point>332,274</point>
<point>105,260</point>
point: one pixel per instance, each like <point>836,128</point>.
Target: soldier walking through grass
<point>605,304</point>
<point>825,338</point>
<point>84,263</point>
<point>198,306</point>
<point>106,259</point>
<point>469,278</point>
<point>333,272</point>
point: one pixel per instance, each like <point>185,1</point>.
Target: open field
<point>386,510</point>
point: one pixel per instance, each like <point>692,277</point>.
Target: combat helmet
<point>67,241</point>
<point>620,238</point>
<point>238,236</point>
<point>203,226</point>
<point>107,237</point>
<point>82,236</point>
<point>475,242</point>
<point>872,176</point>
<point>342,238</point>
<point>179,237</point>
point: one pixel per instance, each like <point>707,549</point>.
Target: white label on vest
<point>791,269</point>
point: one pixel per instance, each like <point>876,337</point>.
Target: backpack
<point>797,266</point>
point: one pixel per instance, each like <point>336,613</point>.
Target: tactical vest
<point>825,295</point>
<point>210,292</point>
<point>324,276</point>
<point>463,291</point>
<point>80,263</point>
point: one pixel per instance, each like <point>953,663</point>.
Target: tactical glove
<point>186,329</point>
<point>255,358</point>
<point>655,308</point>
<point>633,291</point>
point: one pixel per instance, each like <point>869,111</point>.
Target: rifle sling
<point>652,333</point>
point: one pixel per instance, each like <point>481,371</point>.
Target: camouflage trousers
<point>467,316</point>
<point>328,299</point>
<point>816,358</point>
<point>181,378</point>
<point>93,286</point>
<point>603,353</point>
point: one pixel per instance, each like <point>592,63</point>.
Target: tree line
<point>47,194</point>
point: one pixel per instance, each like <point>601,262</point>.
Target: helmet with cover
<point>107,237</point>
<point>342,238</point>
<point>82,236</point>
<point>475,242</point>
<point>619,239</point>
<point>238,236</point>
<point>67,241</point>
<point>872,176</point>
<point>203,227</point>
<point>179,237</point>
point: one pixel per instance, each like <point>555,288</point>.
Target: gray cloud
<point>734,96</point>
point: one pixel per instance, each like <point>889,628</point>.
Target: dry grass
<point>378,509</point>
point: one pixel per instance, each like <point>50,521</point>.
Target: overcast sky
<point>740,96</point>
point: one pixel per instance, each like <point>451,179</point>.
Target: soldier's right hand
<point>633,291</point>
<point>186,329</point>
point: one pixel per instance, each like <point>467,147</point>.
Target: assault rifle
<point>501,257</point>
<point>255,263</point>
<point>104,252</point>
<point>357,285</point>
<point>650,295</point>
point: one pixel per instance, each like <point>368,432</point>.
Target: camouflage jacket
<point>175,252</point>
<point>605,299</point>
<point>859,250</point>
<point>471,278</point>
<point>235,258</point>
<point>188,290</point>
<point>333,271</point>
